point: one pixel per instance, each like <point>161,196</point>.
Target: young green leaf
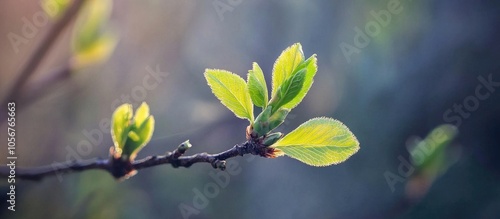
<point>319,142</point>
<point>310,65</point>
<point>141,114</point>
<point>433,147</point>
<point>272,138</point>
<point>120,126</point>
<point>285,65</point>
<point>91,41</point>
<point>99,51</point>
<point>277,118</point>
<point>91,23</point>
<point>266,122</point>
<point>257,86</point>
<point>261,124</point>
<point>142,127</point>
<point>129,134</point>
<point>232,91</point>
<point>288,90</point>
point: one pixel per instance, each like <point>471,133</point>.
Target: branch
<point>58,169</point>
<point>42,49</point>
<point>36,90</point>
<point>123,169</point>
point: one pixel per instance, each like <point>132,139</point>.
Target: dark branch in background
<point>39,88</point>
<point>119,168</point>
<point>35,59</point>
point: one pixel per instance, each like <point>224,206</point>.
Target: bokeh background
<point>425,60</point>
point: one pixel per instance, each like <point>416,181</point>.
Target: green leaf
<point>261,124</point>
<point>129,134</point>
<point>319,142</point>
<point>141,114</point>
<point>92,42</point>
<point>266,122</point>
<point>91,23</point>
<point>430,155</point>
<point>120,126</point>
<point>285,65</point>
<point>257,86</point>
<point>231,90</point>
<point>272,138</point>
<point>288,90</point>
<point>311,68</point>
<point>142,128</point>
<point>98,51</point>
<point>277,118</point>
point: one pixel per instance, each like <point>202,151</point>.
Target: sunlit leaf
<point>257,86</point>
<point>319,142</point>
<point>143,128</point>
<point>267,121</point>
<point>99,51</point>
<point>285,65</point>
<point>310,65</point>
<point>120,126</point>
<point>131,134</point>
<point>92,42</point>
<point>277,118</point>
<point>288,90</point>
<point>232,91</point>
<point>141,114</point>
<point>91,23</point>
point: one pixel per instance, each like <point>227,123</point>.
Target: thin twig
<point>57,169</point>
<point>40,52</point>
<point>119,169</point>
<point>36,90</point>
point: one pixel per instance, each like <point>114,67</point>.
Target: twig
<point>119,168</point>
<point>40,52</point>
<point>58,169</point>
<point>38,89</point>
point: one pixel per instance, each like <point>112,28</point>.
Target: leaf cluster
<point>318,142</point>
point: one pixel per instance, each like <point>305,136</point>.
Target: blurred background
<point>399,79</point>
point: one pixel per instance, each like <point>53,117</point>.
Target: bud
<point>271,152</point>
<point>272,138</point>
<point>184,146</point>
<point>249,133</point>
<point>220,164</point>
<point>277,118</point>
<point>261,124</point>
<point>181,149</point>
<point>266,121</point>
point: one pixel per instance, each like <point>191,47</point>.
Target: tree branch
<point>38,89</point>
<point>123,169</point>
<point>42,49</point>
